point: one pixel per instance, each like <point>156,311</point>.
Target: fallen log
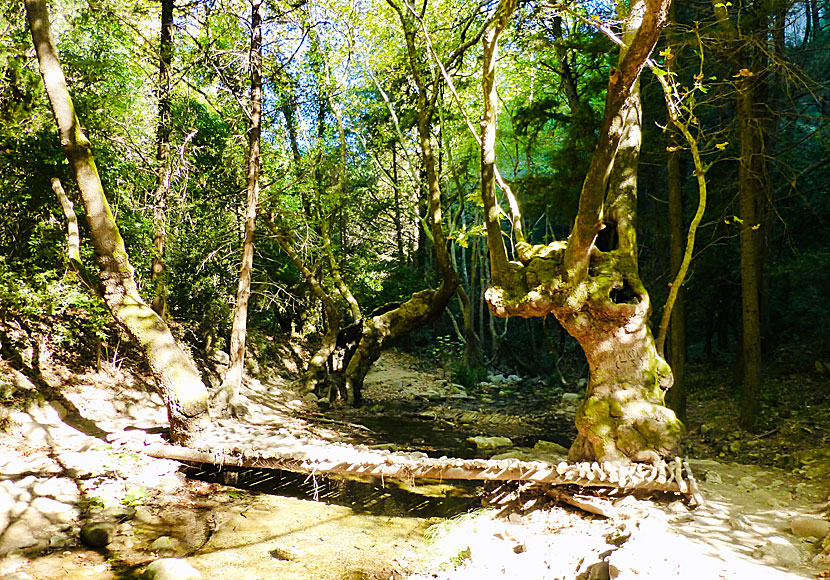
<point>320,457</point>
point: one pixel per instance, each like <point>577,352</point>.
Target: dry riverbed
<point>64,486</point>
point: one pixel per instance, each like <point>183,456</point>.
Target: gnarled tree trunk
<point>591,282</point>
<point>175,374</point>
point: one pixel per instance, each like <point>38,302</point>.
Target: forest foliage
<point>341,161</point>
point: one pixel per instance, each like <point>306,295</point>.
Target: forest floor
<point>61,476</point>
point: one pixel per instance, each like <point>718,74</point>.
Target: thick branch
<point>495,243</point>
<point>620,85</point>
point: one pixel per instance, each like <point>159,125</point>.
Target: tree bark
<point>233,379</point>
<point>426,305</point>
<point>342,288</point>
<point>591,283</point>
<point>677,327</point>
<point>751,237</point>
<point>316,372</point>
<point>165,161</point>
<point>676,397</point>
<point>174,372</point>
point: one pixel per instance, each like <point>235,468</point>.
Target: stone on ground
<point>171,569</point>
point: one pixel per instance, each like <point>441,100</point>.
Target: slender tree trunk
<point>174,372</point>
<point>233,379</point>
<point>316,370</point>
<point>676,397</point>
<point>677,245</point>
<point>165,161</point>
<point>342,288</point>
<point>398,216</point>
<point>751,237</point>
<point>426,305</point>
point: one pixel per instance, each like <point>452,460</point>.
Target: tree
<point>175,374</point>
<point>591,282</point>
<point>164,158</point>
<point>233,378</point>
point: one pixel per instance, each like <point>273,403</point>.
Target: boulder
<point>171,569</point>
<point>97,534</point>
<point>484,443</point>
<point>778,551</point>
<point>809,527</point>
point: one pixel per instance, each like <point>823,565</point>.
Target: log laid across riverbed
<point>325,458</point>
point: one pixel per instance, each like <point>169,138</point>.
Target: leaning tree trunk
<point>426,305</point>
<point>316,372</point>
<point>174,372</point>
<point>591,282</point>
<point>229,393</point>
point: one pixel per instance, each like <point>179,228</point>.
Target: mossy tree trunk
<point>591,283</point>
<point>175,374</point>
<point>426,305</point>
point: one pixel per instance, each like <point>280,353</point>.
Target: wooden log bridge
<point>319,457</point>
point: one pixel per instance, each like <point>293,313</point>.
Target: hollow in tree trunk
<point>590,283</point>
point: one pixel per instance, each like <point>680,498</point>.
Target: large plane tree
<point>590,282</point>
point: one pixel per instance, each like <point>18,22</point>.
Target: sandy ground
<point>59,470</point>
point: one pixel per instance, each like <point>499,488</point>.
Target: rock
<point>289,553</point>
<point>483,443</point>
<point>17,536</point>
<point>677,507</point>
<point>56,511</point>
<point>59,488</point>
<point>550,447</point>
<point>143,515</point>
<point>514,379</point>
<point>58,541</point>
<point>171,569</point>
<point>822,560</point>
<point>515,453</point>
<point>778,551</point>
<point>220,357</point>
<point>712,477</point>
<point>16,576</point>
<point>600,571</point>
<point>496,379</point>
<point>739,522</point>
<point>571,399</point>
<point>165,546</point>
<point>118,512</point>
<point>809,527</point>
<point>97,534</point>
<point>748,482</point>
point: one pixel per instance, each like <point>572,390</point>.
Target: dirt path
<point>58,473</point>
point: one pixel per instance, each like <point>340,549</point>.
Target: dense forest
<point>626,201</point>
<point>284,169</point>
<point>252,174</point>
